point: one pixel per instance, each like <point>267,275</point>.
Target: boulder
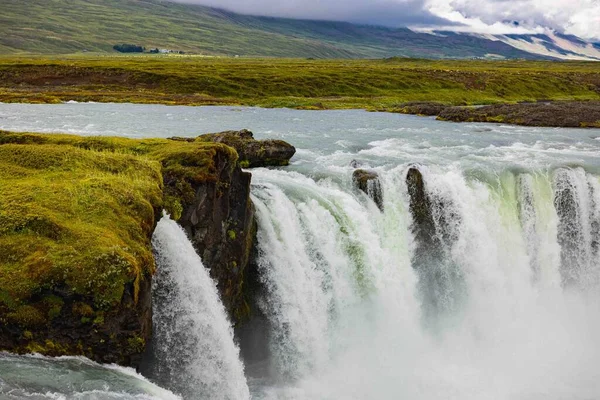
<point>420,208</point>
<point>254,153</point>
<point>368,182</point>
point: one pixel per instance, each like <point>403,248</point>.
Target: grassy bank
<point>315,84</point>
<point>76,219</point>
<point>57,191</point>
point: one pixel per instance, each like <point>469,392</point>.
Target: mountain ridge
<point>71,26</point>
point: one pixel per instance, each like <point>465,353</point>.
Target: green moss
<point>136,344</point>
<point>82,310</point>
<point>27,316</point>
<point>78,212</point>
<point>99,320</point>
<point>47,348</point>
<point>54,305</point>
<point>173,207</point>
<point>244,164</point>
<point>231,234</point>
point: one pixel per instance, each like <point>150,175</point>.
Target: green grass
<point>78,213</point>
<point>70,26</point>
<point>295,83</point>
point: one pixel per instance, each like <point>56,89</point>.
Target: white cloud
<point>586,21</point>
<point>577,17</point>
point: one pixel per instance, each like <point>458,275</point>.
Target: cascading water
<point>492,295</point>
<point>577,207</point>
<point>193,349</point>
<point>347,287</point>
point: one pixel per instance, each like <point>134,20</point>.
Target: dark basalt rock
<point>254,153</point>
<point>420,208</point>
<point>115,336</point>
<point>441,282</point>
<point>368,182</point>
<point>434,219</point>
<point>221,225</point>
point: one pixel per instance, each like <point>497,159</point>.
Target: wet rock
<point>356,164</point>
<point>221,224</point>
<point>368,182</point>
<point>420,208</point>
<point>441,282</point>
<point>254,153</point>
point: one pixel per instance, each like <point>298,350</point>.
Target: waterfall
<point>194,351</point>
<point>362,304</point>
<point>577,202</point>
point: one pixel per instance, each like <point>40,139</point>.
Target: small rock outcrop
<point>420,208</point>
<point>434,218</point>
<point>254,153</point>
<point>368,182</point>
<point>441,282</point>
<point>220,222</point>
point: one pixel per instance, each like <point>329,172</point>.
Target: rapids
<point>503,303</point>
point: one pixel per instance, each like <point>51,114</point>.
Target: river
<point>502,304</point>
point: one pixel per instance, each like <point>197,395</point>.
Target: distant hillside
<point>69,26</point>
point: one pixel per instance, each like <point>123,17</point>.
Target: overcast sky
<point>577,17</point>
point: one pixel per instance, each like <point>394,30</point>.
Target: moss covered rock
<point>76,219</point>
<point>254,153</point>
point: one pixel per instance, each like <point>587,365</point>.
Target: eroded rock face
<point>368,182</point>
<point>441,281</point>
<point>220,222</point>
<point>254,153</point>
<point>420,208</point>
<point>87,289</point>
<point>115,336</point>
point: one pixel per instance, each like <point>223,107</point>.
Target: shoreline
<point>478,91</point>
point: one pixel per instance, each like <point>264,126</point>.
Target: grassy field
<point>295,83</point>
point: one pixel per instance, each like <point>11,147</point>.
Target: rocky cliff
<point>76,219</point>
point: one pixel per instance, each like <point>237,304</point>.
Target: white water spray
<point>194,350</point>
<point>344,300</point>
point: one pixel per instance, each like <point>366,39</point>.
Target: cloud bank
<point>576,17</point>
